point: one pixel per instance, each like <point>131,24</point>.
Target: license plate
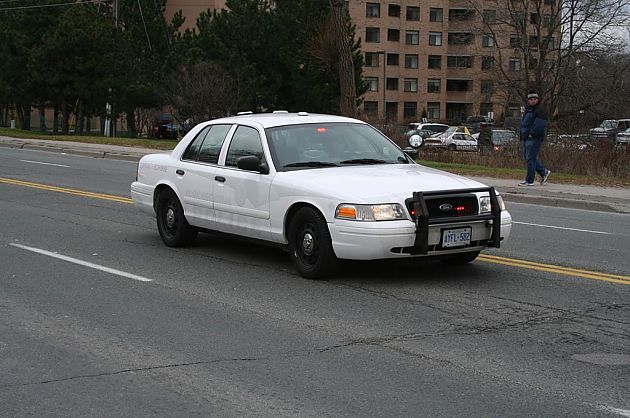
<point>459,237</point>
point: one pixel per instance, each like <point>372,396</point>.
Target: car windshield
<point>609,124</point>
<point>329,145</point>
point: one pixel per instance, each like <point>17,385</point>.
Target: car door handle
<point>219,178</point>
<point>179,172</point>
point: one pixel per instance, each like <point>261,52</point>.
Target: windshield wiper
<point>364,161</point>
<point>312,164</point>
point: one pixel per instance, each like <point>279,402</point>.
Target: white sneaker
<point>524,183</point>
<point>545,177</point>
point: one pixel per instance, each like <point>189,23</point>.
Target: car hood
<point>373,183</point>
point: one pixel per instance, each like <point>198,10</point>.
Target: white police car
<point>326,187</point>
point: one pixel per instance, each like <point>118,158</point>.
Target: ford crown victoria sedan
<point>324,187</point>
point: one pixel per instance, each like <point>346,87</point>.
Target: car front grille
<point>448,206</point>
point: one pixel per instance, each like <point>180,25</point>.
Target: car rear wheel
<point>310,245</point>
<point>452,147</point>
<point>172,224</point>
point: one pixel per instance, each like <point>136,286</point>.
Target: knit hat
<point>532,96</point>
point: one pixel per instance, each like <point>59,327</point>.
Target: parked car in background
<point>165,131</point>
<point>324,187</point>
<point>423,130</point>
<point>609,128</point>
<point>495,138</point>
<point>476,123</point>
<point>623,137</point>
<point>456,138</point>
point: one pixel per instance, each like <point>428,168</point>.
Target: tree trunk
<point>79,126</point>
<point>42,116</point>
<point>64,117</point>
<point>131,124</point>
<point>348,96</point>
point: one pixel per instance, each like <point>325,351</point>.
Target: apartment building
<point>440,59</point>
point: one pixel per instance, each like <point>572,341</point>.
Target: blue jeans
<point>531,148</point>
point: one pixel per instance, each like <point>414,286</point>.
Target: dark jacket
<point>534,123</point>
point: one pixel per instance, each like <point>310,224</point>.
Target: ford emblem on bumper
<point>446,207</point>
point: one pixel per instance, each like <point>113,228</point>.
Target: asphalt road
<point>99,318</point>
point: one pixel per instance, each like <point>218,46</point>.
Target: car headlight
<point>383,212</point>
<point>485,205</point>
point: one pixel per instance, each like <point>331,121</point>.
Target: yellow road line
<point>567,271</point>
<point>75,192</point>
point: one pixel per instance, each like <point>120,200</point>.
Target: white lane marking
<point>83,263</point>
<point>621,412</point>
<point>39,162</point>
<point>562,227</point>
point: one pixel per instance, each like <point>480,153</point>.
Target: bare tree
<point>539,44</point>
<point>204,91</point>
<point>348,98</point>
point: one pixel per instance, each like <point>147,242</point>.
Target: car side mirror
<point>412,152</point>
<point>252,163</point>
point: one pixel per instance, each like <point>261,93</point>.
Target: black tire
<point>463,258</point>
<point>171,222</point>
<point>310,246</point>
<point>452,147</point>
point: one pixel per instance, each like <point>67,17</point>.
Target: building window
<point>371,83</point>
<point>485,108</point>
<point>436,14</point>
<point>434,85</point>
<point>393,35</point>
<point>533,41</point>
<point>371,59</point>
<point>459,61</point>
<point>487,87</point>
<point>547,22</point>
<point>515,64</point>
<point>435,38</point>
<point>515,41</point>
<point>393,59</point>
<point>370,108</point>
<point>532,63</point>
<point>410,110</point>
<point>413,13</point>
<point>412,37</point>
<point>487,41</point>
<point>433,110</point>
<point>460,38</point>
<point>534,18</point>
<point>489,17</point>
<point>458,85</point>
<point>548,65</point>
<point>372,35</point>
<point>373,10</point>
<point>411,85</point>
<point>518,19</point>
<point>392,83</point>
<point>435,62</point>
<point>393,10</point>
<point>411,61</point>
<point>487,62</point>
<point>549,42</point>
<point>460,15</point>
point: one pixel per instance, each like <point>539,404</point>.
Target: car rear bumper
<point>142,196</point>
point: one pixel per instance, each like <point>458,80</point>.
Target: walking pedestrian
<point>532,133</point>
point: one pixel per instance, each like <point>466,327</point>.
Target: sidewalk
<point>608,199</point>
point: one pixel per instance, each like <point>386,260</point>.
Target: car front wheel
<point>172,224</point>
<point>310,245</point>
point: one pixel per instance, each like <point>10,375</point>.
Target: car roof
<point>270,120</point>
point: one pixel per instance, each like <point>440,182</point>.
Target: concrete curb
<point>563,202</point>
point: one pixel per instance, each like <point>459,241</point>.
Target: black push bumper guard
<point>418,203</point>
